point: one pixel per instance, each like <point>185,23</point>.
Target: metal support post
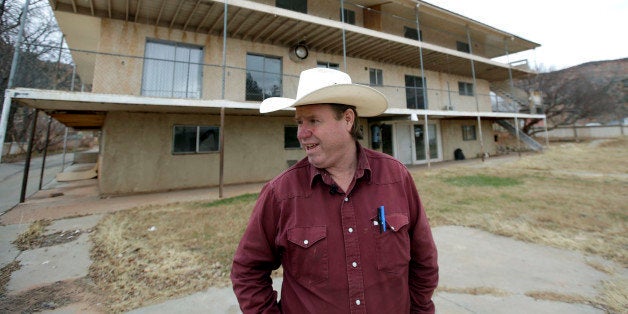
<point>475,94</point>
<point>426,132</point>
<point>344,36</point>
<point>518,140</point>
<point>29,152</point>
<point>43,160</point>
<point>65,147</point>
<point>221,136</point>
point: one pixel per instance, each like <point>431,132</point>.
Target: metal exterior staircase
<point>517,96</point>
<point>530,142</point>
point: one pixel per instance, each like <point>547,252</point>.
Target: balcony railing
<point>125,75</point>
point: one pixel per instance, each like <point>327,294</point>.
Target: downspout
<point>221,140</point>
<point>6,108</point>
<point>426,133</point>
<point>475,94</point>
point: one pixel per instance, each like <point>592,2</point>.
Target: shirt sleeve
<point>256,257</point>
<point>423,272</point>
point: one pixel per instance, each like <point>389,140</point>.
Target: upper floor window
<point>294,5</point>
<point>414,92</point>
<point>172,70</point>
<point>465,88</point>
<point>412,33</point>
<point>464,47</point>
<point>349,16</point>
<point>263,77</point>
<point>290,139</point>
<point>376,77</point>
<point>328,65</point>
<point>194,139</point>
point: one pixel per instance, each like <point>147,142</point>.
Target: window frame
<point>469,133</point>
<point>249,96</point>
<point>465,89</point>
<point>290,131</point>
<point>463,46</point>
<point>415,88</point>
<point>150,78</point>
<point>407,30</point>
<point>292,5</point>
<point>378,75</point>
<point>198,143</point>
<point>349,16</point>
<point>327,65</point>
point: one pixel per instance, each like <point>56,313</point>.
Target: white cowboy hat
<point>328,86</point>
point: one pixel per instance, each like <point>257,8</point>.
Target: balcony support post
<point>475,95</point>
<point>221,137</point>
<point>426,131</point>
<point>344,35</point>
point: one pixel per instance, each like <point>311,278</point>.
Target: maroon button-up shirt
<point>335,257</point>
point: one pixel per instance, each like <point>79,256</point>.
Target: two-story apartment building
<point>172,82</point>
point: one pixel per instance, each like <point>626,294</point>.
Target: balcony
<point>377,34</point>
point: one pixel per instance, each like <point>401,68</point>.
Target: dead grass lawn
<point>572,196</point>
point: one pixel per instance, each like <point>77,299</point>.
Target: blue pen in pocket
<point>382,218</point>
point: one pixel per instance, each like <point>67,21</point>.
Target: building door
<point>403,143</point>
<point>387,139</point>
<point>419,142</point>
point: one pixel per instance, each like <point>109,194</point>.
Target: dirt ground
<point>75,199</point>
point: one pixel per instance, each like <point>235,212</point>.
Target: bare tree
<point>39,64</point>
<point>578,94</point>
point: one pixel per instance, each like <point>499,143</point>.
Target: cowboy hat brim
<point>368,101</point>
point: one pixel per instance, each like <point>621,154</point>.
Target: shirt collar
<point>363,168</point>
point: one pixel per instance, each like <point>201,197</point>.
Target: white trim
<point>454,113</point>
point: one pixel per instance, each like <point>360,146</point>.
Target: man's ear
<point>349,117</point>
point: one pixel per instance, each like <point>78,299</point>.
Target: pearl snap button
<point>350,230</point>
<point>346,199</point>
<point>357,302</point>
<point>354,264</point>
<point>306,242</point>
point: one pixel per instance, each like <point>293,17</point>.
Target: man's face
<point>324,139</point>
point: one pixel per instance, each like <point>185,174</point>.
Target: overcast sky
<point>569,32</point>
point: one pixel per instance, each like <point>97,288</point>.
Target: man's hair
<point>340,109</point>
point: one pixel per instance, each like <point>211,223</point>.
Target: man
<point>346,223</point>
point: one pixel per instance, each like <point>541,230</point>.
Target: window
<point>263,77</point>
<point>290,137</point>
<point>328,65</point>
<point>412,33</point>
<point>376,77</point>
<point>468,133</point>
<point>464,47</point>
<point>465,89</point>
<point>195,139</point>
<point>414,92</point>
<point>294,5</point>
<point>349,16</point>
<point>172,70</point>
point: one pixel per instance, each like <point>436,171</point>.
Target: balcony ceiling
<point>252,21</point>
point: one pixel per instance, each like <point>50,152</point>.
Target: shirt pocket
<point>307,254</point>
<point>393,246</point>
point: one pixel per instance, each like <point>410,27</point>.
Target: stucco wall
<point>254,152</point>
<point>452,139</point>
